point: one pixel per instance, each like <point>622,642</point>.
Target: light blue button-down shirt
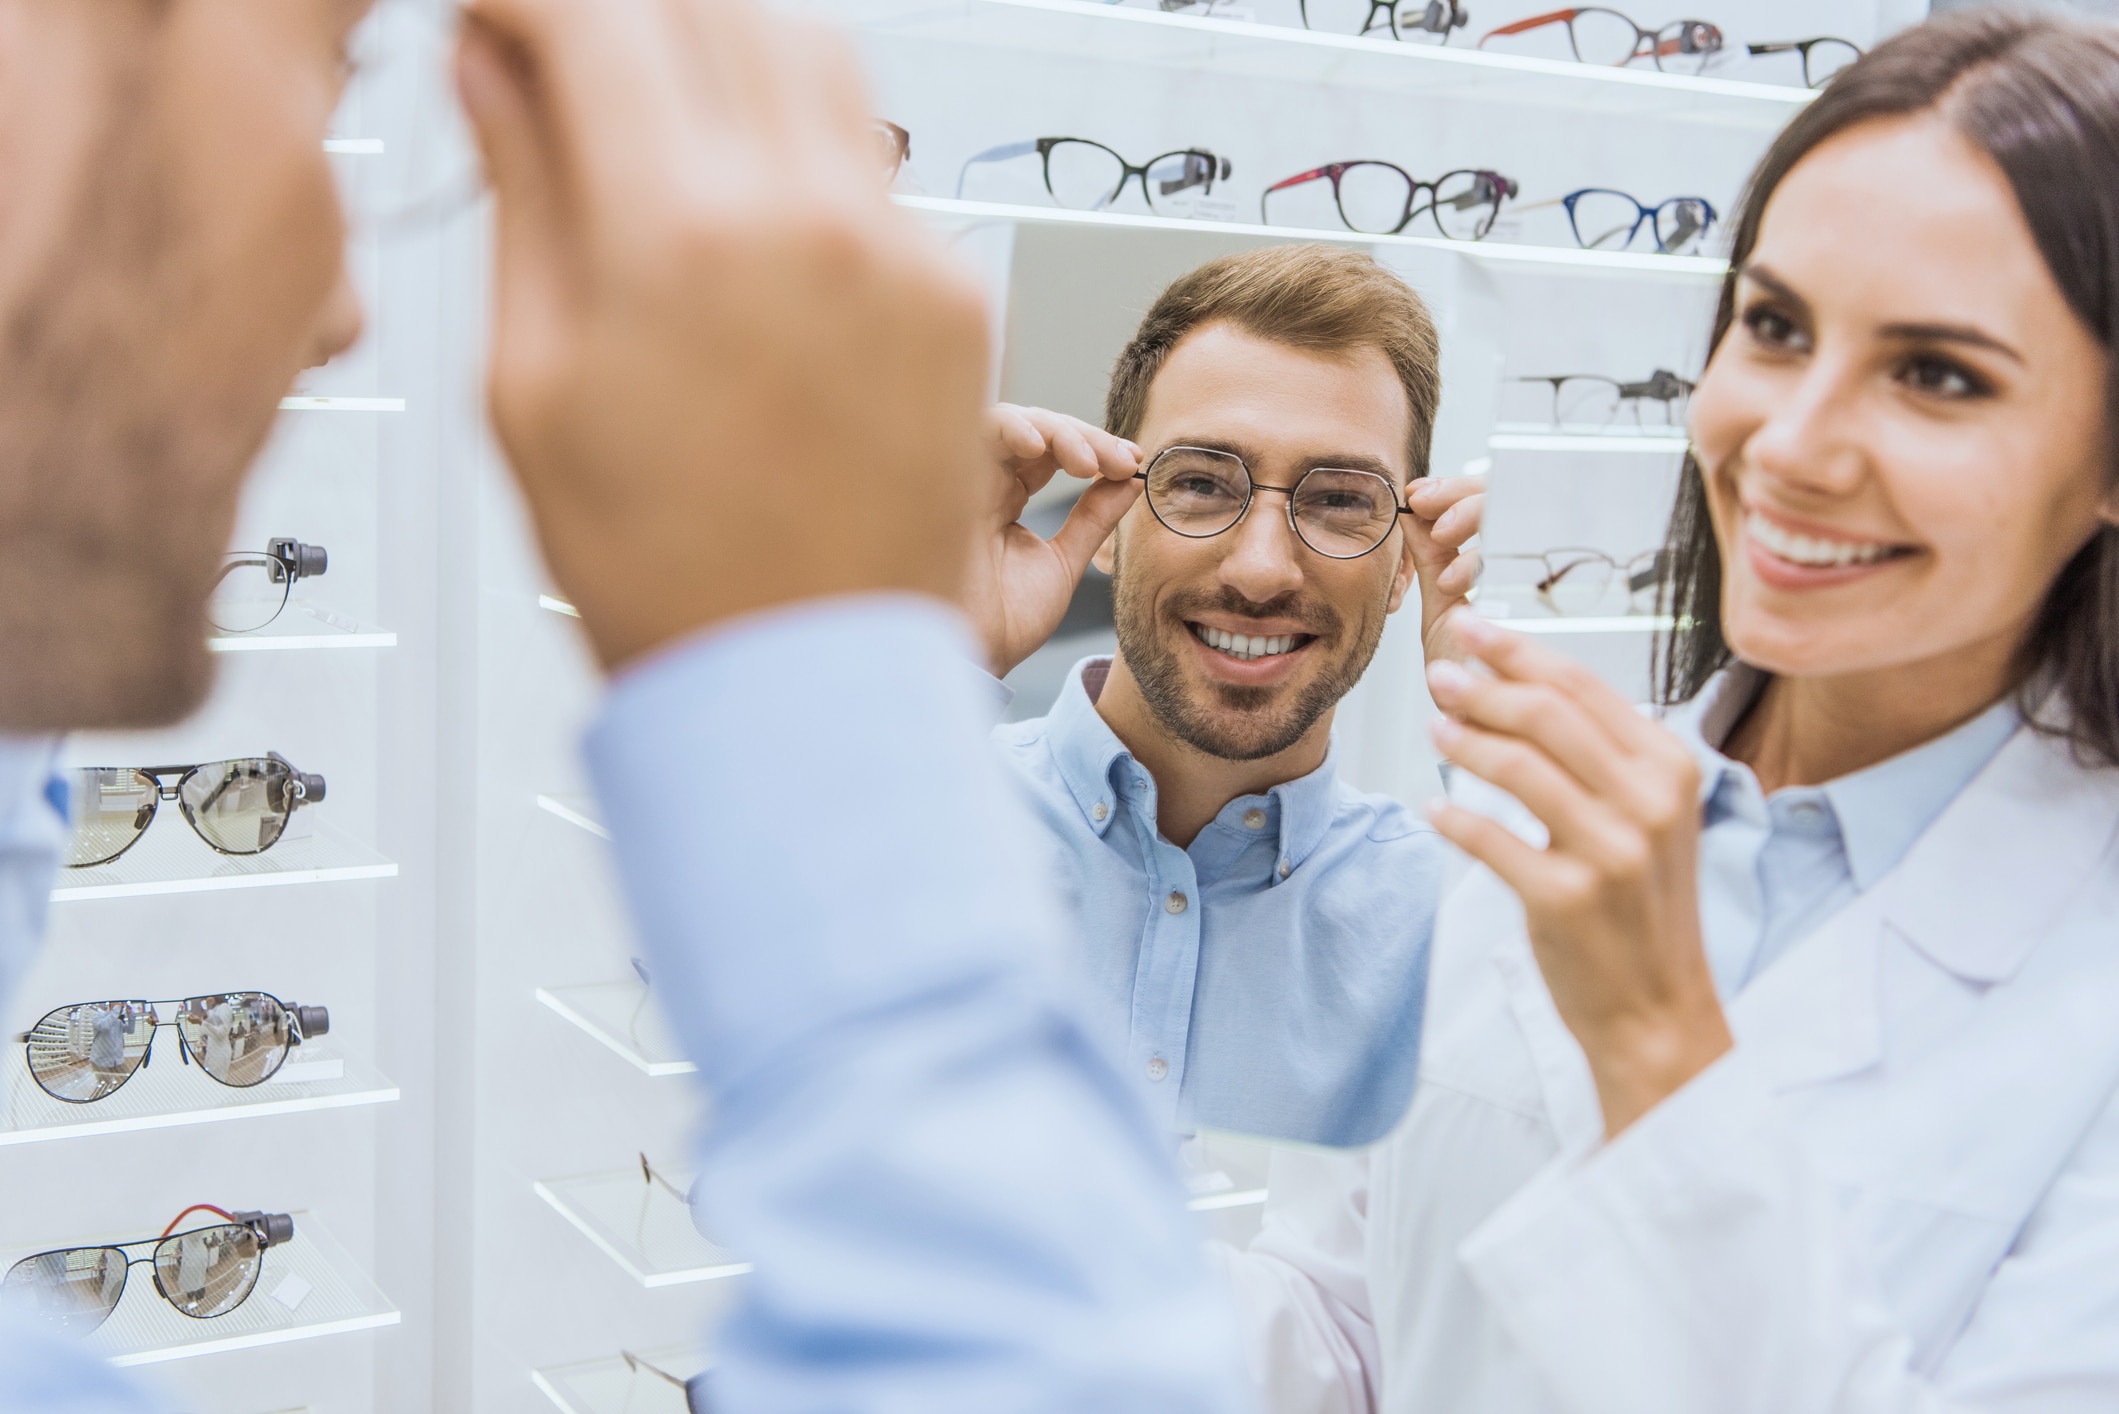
<point>954,1200</point>
<point>1773,867</point>
<point>1268,979</point>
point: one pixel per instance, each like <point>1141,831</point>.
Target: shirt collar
<point>1096,766</point>
<point>1882,809</point>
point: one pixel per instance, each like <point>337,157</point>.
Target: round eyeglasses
<point>1340,513</point>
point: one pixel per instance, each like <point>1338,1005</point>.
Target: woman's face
<point>1903,431</point>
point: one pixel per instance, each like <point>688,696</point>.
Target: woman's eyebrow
<point>1774,285</point>
<point>1911,331</point>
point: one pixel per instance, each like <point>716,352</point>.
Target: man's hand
<point>728,374</point>
<point>1446,513</point>
<point>1018,585</point>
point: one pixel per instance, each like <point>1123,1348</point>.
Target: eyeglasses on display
<point>1381,198</point>
<point>893,147</point>
<point>1088,176</point>
<point>1824,57</point>
<point>1603,219</point>
<point>1340,513</point>
<point>87,1051</point>
<point>204,1273</point>
<point>1579,580</point>
<point>253,586</point>
<point>1404,19</point>
<point>1596,35</point>
<point>640,1365</point>
<point>1591,400</point>
<point>237,807</point>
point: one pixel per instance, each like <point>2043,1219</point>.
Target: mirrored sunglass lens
<point>241,807</point>
<point>111,806</point>
<point>207,1273</point>
<point>1602,37</point>
<point>1680,224</point>
<point>74,1290</point>
<point>1827,59</point>
<point>238,1038</point>
<point>1084,177</point>
<point>251,591</point>
<point>1197,492</point>
<point>1465,204</point>
<point>1605,220</point>
<point>1344,512</point>
<point>1373,197</point>
<point>82,1053</point>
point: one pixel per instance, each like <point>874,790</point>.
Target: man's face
<point>1283,411</point>
<point>169,260</point>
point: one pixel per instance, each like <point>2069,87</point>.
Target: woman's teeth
<point>1809,550</point>
<point>1248,647</point>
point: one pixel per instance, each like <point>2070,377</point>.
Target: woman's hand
<point>1018,585</point>
<point>1612,901</point>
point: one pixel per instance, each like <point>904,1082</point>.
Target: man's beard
<point>120,456</point>
<point>1238,723</point>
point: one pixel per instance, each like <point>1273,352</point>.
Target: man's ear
<point>1407,572</point>
<point>1106,556</point>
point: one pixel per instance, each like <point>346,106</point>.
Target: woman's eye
<point>1769,326</point>
<point>1943,378</point>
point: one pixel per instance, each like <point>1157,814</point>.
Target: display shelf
<point>577,810</point>
<point>305,403</point>
<point>308,1287</point>
<point>1662,445</point>
<point>1235,1198</point>
<point>354,146</point>
<point>1232,48</point>
<point>610,1386</point>
<point>1560,260</point>
<point>641,1226</point>
<point>618,1015</point>
<point>170,859</point>
<point>1617,623</point>
<point>557,605</point>
<point>302,626</point>
<point>171,1094</point>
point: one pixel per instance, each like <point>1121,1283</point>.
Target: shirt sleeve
<point>953,1200</point>
<point>50,1374</point>
<point>1301,1286</point>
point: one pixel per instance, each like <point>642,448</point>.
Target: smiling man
<point>1256,927</point>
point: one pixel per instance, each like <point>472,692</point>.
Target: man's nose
<point>339,323</point>
<point>1264,559</point>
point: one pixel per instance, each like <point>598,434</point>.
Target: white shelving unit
<point>610,1386</point>
<point>304,626</point>
<point>169,859</point>
<point>577,810</point>
<point>641,1226</point>
<point>314,403</point>
<point>622,1017</point>
<point>168,1094</point>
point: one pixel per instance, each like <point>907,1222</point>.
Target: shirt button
<point>1176,904</point>
<point>1099,812</point>
<point>1254,819</point>
<point>1158,1068</point>
<point>1286,869</point>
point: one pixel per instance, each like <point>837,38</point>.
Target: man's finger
<point>1430,496</point>
<point>1460,522</point>
<point>1015,435</point>
<point>1095,515</point>
<point>1091,450</point>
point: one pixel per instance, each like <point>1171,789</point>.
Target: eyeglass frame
<point>266,1227</point>
<point>302,783</point>
<point>1218,168</point>
<point>1455,18</point>
<point>286,562</point>
<point>1506,187</point>
<point>299,1021</point>
<point>1803,47</point>
<point>1257,486</point>
<point>1644,213</point>
<point>1651,577</point>
<point>1661,386</point>
<point>1654,37</point>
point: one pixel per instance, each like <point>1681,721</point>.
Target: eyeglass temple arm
<point>634,1362</point>
<point>1777,46</point>
<point>1295,181</point>
<point>1007,151</point>
<point>1534,22</point>
<point>221,1213</point>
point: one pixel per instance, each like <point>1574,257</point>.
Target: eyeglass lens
<point>249,593</point>
<point>208,1271</point>
<point>73,1291</point>
<point>84,1052</point>
<point>1197,492</point>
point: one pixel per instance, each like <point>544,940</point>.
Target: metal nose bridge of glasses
<point>1255,486</point>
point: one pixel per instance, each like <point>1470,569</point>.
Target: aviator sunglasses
<point>238,807</point>
<point>206,1272</point>
<point>86,1052</point>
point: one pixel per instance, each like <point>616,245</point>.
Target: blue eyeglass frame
<point>1644,213</point>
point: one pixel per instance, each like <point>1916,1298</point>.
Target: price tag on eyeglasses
<point>1214,208</point>
<point>293,1291</point>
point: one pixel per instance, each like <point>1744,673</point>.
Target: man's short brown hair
<point>1327,299</point>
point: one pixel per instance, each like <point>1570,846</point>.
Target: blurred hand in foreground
<point>728,374</point>
<point>1019,585</point>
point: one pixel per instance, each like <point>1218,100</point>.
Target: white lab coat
<point>1900,1192</point>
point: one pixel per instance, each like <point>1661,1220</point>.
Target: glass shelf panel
<point>309,1287</point>
<point>166,1094</point>
<point>170,859</point>
<point>304,626</point>
<point>577,810</point>
<point>618,1016</point>
<point>641,1226</point>
<point>305,403</point>
<point>610,1386</point>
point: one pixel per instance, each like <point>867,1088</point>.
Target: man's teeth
<point>1248,647</point>
<point>1808,550</point>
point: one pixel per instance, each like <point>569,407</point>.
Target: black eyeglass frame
<point>285,561</point>
<point>1257,486</point>
<point>1503,188</point>
<point>1661,386</point>
<point>1803,47</point>
<point>1217,168</point>
<point>1645,571</point>
<point>1436,17</point>
<point>270,1230</point>
<point>303,1023</point>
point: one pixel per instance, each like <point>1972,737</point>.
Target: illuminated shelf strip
<point>171,1097</point>
<point>605,1010</point>
<point>303,626</point>
<point>354,146</point>
<point>171,860</point>
<point>607,1207</point>
<point>310,404</point>
<point>1627,623</point>
<point>1586,442</point>
<point>1554,259</point>
<point>574,810</point>
<point>1241,1198</point>
<point>557,606</point>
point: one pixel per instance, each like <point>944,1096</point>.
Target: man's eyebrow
<point>1912,331</point>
